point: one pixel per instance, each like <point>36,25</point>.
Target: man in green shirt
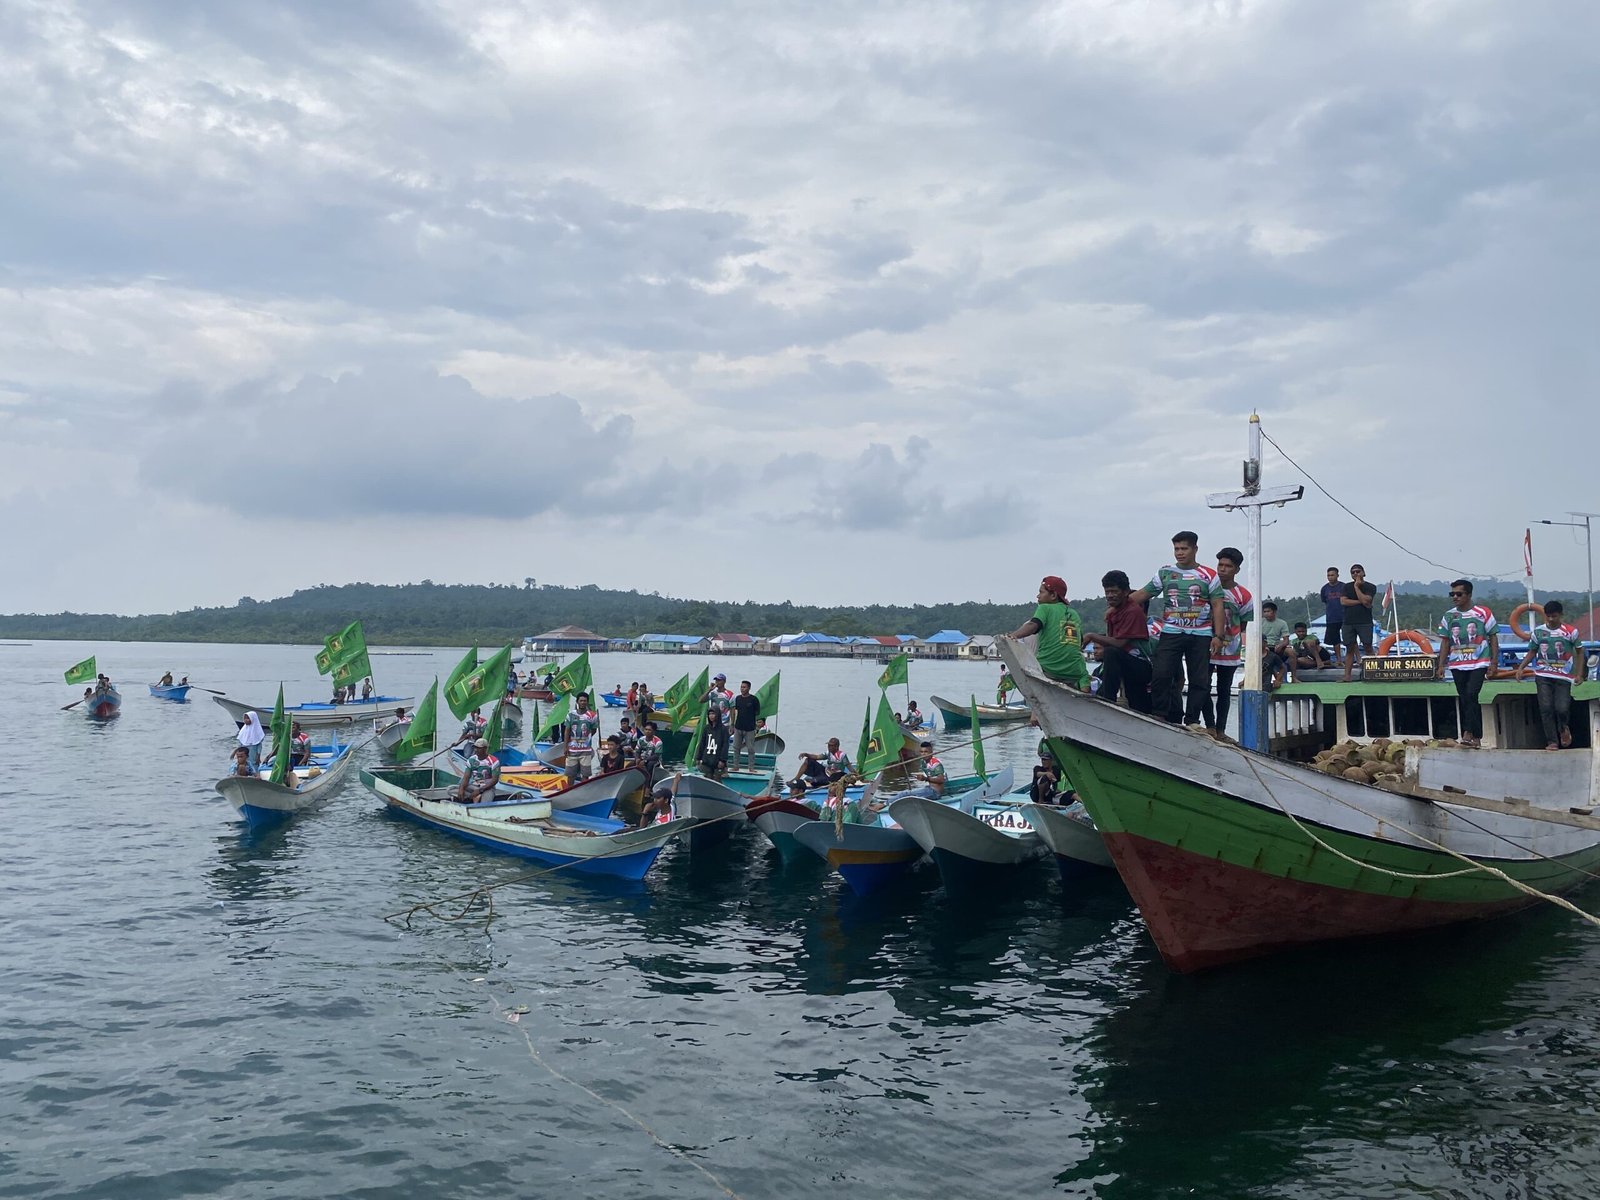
<point>1060,647</point>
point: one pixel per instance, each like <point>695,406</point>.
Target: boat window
<point>1355,720</point>
<point>1444,716</point>
<point>1377,715</point>
<point>1411,716</point>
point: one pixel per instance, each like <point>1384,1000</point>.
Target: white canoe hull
<point>1068,835</point>
<point>260,800</point>
<point>319,716</point>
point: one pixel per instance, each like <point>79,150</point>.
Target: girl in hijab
<point>251,736</point>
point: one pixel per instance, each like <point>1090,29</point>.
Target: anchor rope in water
<point>1473,865</point>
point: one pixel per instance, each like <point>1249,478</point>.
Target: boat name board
<point>1399,668</point>
<point>1007,818</point>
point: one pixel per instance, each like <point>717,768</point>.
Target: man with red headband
<point>1060,635</point>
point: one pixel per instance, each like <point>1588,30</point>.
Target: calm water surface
<point>192,1010</point>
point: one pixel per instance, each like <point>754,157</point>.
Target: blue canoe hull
<point>178,692</point>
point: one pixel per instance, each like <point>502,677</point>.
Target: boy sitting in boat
<point>658,809</point>
<point>480,776</point>
<point>241,763</point>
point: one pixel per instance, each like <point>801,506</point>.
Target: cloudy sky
<point>828,301</point>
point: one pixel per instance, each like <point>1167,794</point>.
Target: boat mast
<point>1253,732</point>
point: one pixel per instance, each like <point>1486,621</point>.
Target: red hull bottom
<point>1203,912</point>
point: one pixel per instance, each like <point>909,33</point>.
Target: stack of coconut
<point>1381,762</point>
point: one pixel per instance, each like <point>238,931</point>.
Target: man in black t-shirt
<point>1356,600</point>
<point>746,712</point>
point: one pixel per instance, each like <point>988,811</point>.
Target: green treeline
<point>431,614</point>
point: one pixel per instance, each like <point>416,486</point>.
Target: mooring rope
<point>1473,865</point>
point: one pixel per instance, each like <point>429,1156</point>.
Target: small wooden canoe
<point>530,828</point>
<point>261,802</point>
<point>177,692</point>
<point>1071,837</point>
<point>319,716</point>
<point>957,716</point>
<point>102,706</point>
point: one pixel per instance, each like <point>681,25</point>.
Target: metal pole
<point>1588,554</point>
<point>1252,699</point>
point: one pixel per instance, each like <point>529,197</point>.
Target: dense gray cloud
<point>997,280</point>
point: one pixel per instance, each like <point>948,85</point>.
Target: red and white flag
<point>1527,553</point>
<point>1388,595</point>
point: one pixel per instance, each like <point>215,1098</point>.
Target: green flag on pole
<point>767,694</point>
<point>573,678</point>
<point>282,741</point>
<point>83,672</point>
<point>468,664</point>
<point>883,747</point>
<point>342,647</point>
<point>690,701</point>
<point>357,666</point>
<point>866,737</point>
<point>558,716</point>
<point>979,767</point>
<point>1005,685</point>
<point>485,684</point>
<point>495,735</point>
<point>692,754</point>
<point>895,672</point>
<point>674,695</point>
<point>424,726</point>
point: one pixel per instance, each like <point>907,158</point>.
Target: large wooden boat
<point>1232,853</point>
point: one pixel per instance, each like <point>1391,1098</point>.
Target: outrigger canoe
<point>526,827</point>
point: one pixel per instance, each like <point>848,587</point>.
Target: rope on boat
<point>1473,866</point>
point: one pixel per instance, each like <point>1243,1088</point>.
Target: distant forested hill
<point>428,613</point>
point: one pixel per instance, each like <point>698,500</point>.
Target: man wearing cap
<point>480,776</point>
<point>1060,646</point>
<point>582,725</point>
<point>719,699</point>
<point>473,728</point>
<point>932,775</point>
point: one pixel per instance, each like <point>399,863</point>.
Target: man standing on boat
<point>1060,644</point>
<point>1557,653</point>
<point>746,712</point>
<point>1124,646</point>
<point>1356,600</point>
<point>472,728</point>
<point>1333,610</point>
<point>1469,641</point>
<point>480,776</point>
<point>582,725</point>
<point>1191,631</point>
<point>1238,610</point>
<point>718,698</point>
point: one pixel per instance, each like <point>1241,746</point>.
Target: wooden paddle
<point>198,688</point>
<point>74,704</point>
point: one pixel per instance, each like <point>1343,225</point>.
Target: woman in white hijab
<point>251,735</point>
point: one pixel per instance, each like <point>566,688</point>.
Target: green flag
<point>495,735</point>
<point>866,736</point>
<point>468,664</point>
<point>485,684</point>
<point>883,747</point>
<point>357,666</point>
<point>692,754</point>
<point>896,671</point>
<point>341,647</point>
<point>690,700</point>
<point>282,741</point>
<point>573,678</point>
<point>767,694</point>
<point>549,668</point>
<point>674,695</point>
<point>558,716</point>
<point>424,726</point>
<point>1006,684</point>
<point>84,672</point>
<point>979,767</point>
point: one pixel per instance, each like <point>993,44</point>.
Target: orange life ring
<point>1536,609</point>
<point>1421,640</point>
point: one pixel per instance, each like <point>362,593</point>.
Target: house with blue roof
<point>670,643</point>
<point>947,643</point>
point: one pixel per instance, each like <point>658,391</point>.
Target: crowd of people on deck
<point>1172,667</point>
